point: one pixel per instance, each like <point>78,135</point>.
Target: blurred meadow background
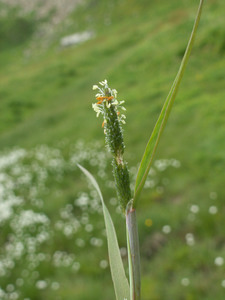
<point>52,237</point>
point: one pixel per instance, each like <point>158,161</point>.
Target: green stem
<point>131,279</point>
<point>133,254</point>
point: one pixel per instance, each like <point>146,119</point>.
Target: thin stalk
<point>133,254</point>
<point>131,278</point>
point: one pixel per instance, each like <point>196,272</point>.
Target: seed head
<point>110,108</point>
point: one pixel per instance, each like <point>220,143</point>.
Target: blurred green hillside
<point>45,99</point>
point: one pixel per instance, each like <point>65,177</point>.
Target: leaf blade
<point>120,282</point>
<point>163,117</point>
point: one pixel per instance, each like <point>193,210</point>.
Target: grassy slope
<point>47,98</point>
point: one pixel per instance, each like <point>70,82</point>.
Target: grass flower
<point>110,108</point>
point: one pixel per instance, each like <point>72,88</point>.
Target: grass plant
<point>108,106</point>
<point>45,100</point>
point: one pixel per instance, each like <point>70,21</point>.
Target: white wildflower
<point>219,261</point>
<point>41,284</point>
<point>190,239</point>
<point>103,264</point>
<point>194,209</point>
<point>213,210</point>
<point>185,281</point>
<point>166,229</point>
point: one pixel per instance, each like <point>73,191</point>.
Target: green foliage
<point>121,285</point>
<point>46,99</point>
<point>15,29</point>
<point>162,120</point>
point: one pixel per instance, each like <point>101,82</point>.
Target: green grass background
<point>46,98</point>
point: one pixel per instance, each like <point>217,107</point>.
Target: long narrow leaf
<point>119,278</point>
<point>163,117</point>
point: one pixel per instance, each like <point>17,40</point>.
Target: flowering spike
<point>108,105</point>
